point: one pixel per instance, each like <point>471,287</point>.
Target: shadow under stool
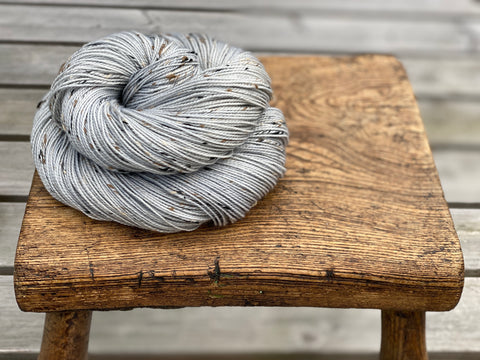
<point>358,221</point>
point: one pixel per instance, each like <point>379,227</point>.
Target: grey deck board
<point>408,7</point>
<point>269,31</point>
<point>11,216</point>
<point>467,225</point>
<point>474,29</point>
<point>447,78</point>
<point>17,168</point>
<point>451,121</point>
<point>457,77</point>
<point>447,121</point>
<point>438,42</point>
<point>18,107</point>
<point>459,171</point>
<point>31,64</point>
<point>236,330</point>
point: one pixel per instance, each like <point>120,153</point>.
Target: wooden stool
<point>358,221</point>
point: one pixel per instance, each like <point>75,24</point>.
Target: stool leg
<point>65,336</point>
<point>403,335</point>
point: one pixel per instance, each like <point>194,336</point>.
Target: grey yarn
<point>162,132</point>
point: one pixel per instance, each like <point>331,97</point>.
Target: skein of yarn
<point>161,132</point>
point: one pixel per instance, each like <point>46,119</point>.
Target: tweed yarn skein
<point>162,132</point>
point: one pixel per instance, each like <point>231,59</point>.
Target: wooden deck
<point>439,44</point>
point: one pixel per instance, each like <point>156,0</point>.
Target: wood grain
<point>403,335</point>
<point>446,86</point>
<point>442,77</point>
<point>467,224</point>
<point>358,221</point>
<point>66,335</point>
<point>267,30</point>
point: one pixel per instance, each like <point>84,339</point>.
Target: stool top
<point>358,221</point>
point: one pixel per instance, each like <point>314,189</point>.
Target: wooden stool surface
<point>359,220</point>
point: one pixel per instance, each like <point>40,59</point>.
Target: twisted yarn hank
<point>161,132</point>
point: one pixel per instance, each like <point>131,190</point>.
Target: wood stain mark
<point>216,273</point>
<point>330,274</point>
<point>90,265</point>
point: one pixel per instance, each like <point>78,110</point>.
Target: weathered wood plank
<point>457,77</point>
<point>356,165</point>
<point>434,8</point>
<point>17,22</point>
<point>459,173</point>
<point>458,169</point>
<point>410,7</point>
<point>444,77</point>
<point>263,31</point>
<point>446,121</point>
<point>22,332</point>
<point>450,121</point>
<point>306,33</point>
<point>11,215</point>
<point>18,107</point>
<point>457,330</point>
<point>236,330</point>
<point>17,168</point>
<point>467,224</point>
<point>474,29</point>
<point>31,64</point>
